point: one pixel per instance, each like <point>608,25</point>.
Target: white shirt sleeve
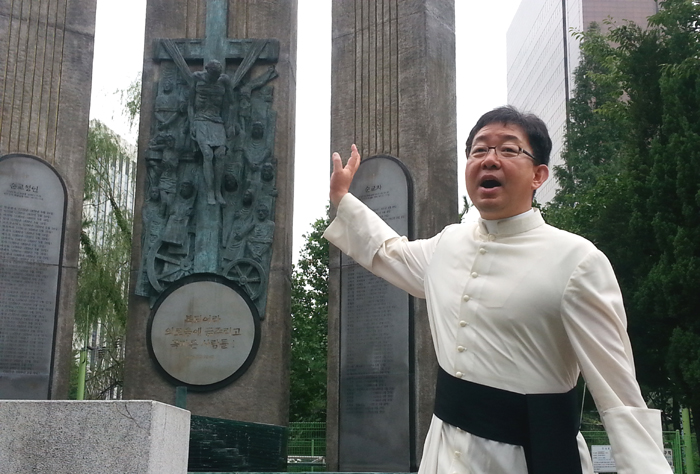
<point>595,321</point>
<point>360,233</point>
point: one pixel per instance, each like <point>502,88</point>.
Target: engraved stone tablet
<point>375,391</point>
<point>204,333</point>
<point>32,219</point>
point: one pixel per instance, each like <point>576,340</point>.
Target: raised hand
<point>342,175</point>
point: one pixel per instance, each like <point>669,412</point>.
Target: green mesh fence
<point>696,454</point>
<point>306,447</point>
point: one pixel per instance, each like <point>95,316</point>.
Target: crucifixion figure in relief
<point>213,135</point>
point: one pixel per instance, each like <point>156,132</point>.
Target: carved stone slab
<point>211,170</point>
<point>32,220</point>
<point>375,386</point>
<point>204,333</point>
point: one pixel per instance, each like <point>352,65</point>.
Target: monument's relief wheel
<point>249,275</point>
<point>162,267</point>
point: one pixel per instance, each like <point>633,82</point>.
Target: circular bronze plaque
<point>204,333</point>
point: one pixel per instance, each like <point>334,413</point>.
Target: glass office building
<point>543,54</point>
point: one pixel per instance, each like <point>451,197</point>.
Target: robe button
<point>474,274</point>
<point>459,375</point>
<point>492,237</point>
<point>482,250</point>
<point>465,297</point>
<point>463,323</point>
<point>461,348</point>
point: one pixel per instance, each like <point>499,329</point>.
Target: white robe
<point>522,308</point>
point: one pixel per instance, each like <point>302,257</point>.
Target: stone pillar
<point>261,393</point>
<point>393,93</point>
<point>45,82</point>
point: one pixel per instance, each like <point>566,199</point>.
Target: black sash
<point>545,425</point>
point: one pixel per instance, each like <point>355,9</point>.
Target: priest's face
<point>503,187</point>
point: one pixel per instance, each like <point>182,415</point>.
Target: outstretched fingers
<point>354,161</point>
<point>342,176</point>
<point>337,162</point>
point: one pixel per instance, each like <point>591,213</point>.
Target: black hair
<point>534,128</point>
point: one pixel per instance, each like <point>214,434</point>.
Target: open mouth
<point>490,184</point>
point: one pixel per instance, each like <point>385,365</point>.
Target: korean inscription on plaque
<point>374,427</point>
<point>203,333</point>
<point>32,217</point>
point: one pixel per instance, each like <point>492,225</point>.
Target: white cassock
<point>520,306</point>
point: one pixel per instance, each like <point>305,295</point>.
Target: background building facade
<point>542,55</point>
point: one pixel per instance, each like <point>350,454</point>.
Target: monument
<point>32,224</point>
<point>45,97</point>
<point>396,101</point>
<point>211,260</point>
<point>376,330</point>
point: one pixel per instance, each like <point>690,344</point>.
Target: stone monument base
<point>84,437</point>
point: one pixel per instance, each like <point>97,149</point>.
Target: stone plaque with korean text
<point>32,219</point>
<point>204,333</point>
<point>375,384</point>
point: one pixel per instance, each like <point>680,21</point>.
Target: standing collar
<point>512,225</point>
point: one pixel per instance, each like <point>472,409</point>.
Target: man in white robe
<point>517,308</point>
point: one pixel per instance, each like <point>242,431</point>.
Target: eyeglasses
<point>505,150</point>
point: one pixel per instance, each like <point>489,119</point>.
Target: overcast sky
<point>481,41</point>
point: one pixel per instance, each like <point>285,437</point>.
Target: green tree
<point>310,328</point>
<point>631,184</point>
<point>594,139</point>
<point>103,274</point>
<point>131,100</point>
<point>673,204</point>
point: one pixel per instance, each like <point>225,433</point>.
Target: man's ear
<point>541,175</point>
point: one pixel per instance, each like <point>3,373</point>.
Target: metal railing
<point>306,447</point>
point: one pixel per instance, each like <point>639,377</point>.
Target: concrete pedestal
<point>75,437</point>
